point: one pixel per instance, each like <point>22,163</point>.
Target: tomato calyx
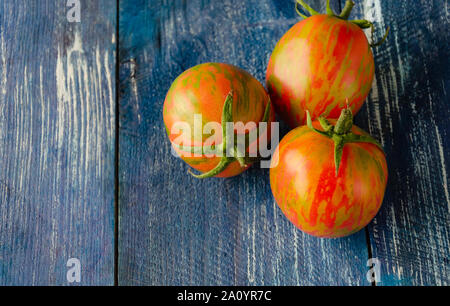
<point>345,13</point>
<point>228,152</point>
<point>340,133</point>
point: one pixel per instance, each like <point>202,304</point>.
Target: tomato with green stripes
<point>198,106</point>
<point>318,64</point>
<point>329,177</point>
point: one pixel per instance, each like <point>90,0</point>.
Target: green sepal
<point>363,24</point>
<point>309,124</point>
<point>329,10</point>
<point>381,41</point>
<point>345,13</point>
<point>306,7</point>
<point>341,134</point>
<point>327,126</point>
<point>228,154</point>
<point>221,166</point>
<point>350,137</point>
<point>227,116</point>
<point>339,143</point>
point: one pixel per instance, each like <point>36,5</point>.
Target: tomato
<point>318,64</point>
<point>329,184</point>
<point>216,93</point>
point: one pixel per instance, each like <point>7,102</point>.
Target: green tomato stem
<point>345,13</point>
<point>327,127</point>
<point>381,41</point>
<point>340,133</point>
<point>227,116</point>
<point>329,10</point>
<point>349,4</point>
<point>344,123</point>
<point>362,23</point>
<point>306,7</point>
<point>221,166</point>
<point>228,154</point>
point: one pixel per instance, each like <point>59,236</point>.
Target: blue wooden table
<point>86,170</point>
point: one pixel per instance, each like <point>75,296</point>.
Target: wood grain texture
<point>173,228</point>
<point>57,136</point>
<point>408,110</point>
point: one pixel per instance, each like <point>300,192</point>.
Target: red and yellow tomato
<point>318,64</point>
<point>313,197</point>
<point>202,91</point>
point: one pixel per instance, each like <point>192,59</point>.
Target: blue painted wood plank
<point>408,110</point>
<point>57,134</point>
<point>175,229</point>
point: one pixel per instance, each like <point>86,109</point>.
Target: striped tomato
<point>318,64</point>
<point>197,104</point>
<point>329,180</point>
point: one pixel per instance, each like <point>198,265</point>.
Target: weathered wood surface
<point>175,229</point>
<point>57,133</point>
<point>57,137</point>
<point>408,110</point>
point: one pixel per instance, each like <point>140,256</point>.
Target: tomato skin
<point>202,90</point>
<point>310,194</point>
<point>318,64</point>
